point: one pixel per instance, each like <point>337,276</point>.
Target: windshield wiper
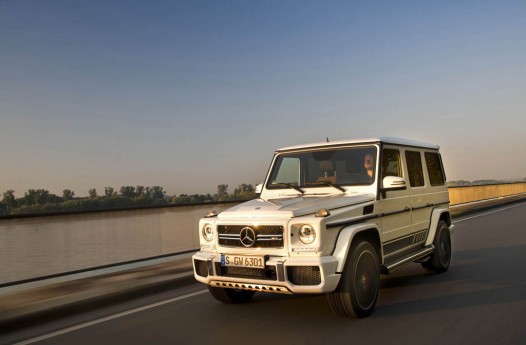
<point>291,186</point>
<point>330,184</point>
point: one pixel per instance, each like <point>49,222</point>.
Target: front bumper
<point>281,274</point>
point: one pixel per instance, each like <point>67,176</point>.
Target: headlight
<point>307,234</point>
<point>208,232</point>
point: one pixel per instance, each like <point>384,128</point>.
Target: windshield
<point>347,166</point>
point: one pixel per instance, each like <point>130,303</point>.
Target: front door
<point>395,207</point>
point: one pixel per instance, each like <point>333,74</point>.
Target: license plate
<point>242,261</point>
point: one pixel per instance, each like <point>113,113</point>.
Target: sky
<point>188,95</point>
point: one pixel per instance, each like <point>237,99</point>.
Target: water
<point>40,246</point>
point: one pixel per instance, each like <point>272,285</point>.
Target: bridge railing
<point>465,194</point>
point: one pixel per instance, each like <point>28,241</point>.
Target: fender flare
<point>435,218</point>
<point>345,238</point>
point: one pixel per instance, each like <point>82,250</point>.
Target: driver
<point>368,164</point>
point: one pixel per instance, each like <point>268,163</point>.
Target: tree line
<point>37,201</point>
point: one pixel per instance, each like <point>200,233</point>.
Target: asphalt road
<point>480,300</point>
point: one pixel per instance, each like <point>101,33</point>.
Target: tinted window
<point>391,163</point>
<point>434,168</point>
<point>414,168</point>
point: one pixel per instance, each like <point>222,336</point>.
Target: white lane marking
<point>483,214</point>
<point>108,318</point>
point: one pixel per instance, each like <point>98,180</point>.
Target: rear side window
<point>434,168</point>
<point>414,168</point>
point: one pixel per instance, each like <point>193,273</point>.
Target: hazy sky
<point>191,94</point>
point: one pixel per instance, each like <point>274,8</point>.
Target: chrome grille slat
<point>267,236</point>
<point>229,236</point>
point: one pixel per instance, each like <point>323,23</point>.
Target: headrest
<point>326,165</point>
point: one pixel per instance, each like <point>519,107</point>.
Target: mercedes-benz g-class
<point>330,218</point>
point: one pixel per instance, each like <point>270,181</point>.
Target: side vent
<point>201,268</point>
<point>369,209</point>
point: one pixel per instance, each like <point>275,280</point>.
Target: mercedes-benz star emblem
<point>247,236</point>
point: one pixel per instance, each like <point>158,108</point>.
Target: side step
<point>406,259</point>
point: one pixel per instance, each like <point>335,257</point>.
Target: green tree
<point>128,191</point>
<point>157,193</point>
<point>41,196</point>
<point>9,199</point>
<point>108,191</point>
<point>222,192</point>
<point>92,193</point>
<point>244,191</point>
<point>68,194</point>
<point>30,198</point>
<point>139,191</point>
<point>35,197</point>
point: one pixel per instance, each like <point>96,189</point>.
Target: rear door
<point>421,203</point>
<point>436,179</point>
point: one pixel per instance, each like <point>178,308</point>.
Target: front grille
<point>304,275</point>
<point>267,236</point>
<point>268,273</point>
<point>201,268</point>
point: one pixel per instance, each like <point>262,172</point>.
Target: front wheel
<point>357,292</point>
<point>227,295</point>
<point>441,257</point>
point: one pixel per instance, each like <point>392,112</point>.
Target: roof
<point>387,140</point>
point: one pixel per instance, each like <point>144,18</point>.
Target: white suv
<point>330,218</point>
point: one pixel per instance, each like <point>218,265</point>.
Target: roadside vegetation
<point>38,201</point>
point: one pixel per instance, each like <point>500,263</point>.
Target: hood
<point>292,207</point>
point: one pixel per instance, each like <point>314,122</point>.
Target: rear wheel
<point>441,257</point>
<point>227,295</point>
<point>357,292</point>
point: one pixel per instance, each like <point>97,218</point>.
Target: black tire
<point>357,291</point>
<point>231,296</point>
<point>441,258</point>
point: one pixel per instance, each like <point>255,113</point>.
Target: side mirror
<point>258,189</point>
<point>390,183</point>
<point>393,182</point>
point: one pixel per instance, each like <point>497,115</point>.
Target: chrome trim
<point>252,287</point>
<point>260,237</point>
<point>210,265</point>
<point>280,270</point>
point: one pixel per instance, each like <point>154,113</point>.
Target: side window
<point>414,168</point>
<point>288,172</point>
<point>434,168</point>
<point>391,163</point>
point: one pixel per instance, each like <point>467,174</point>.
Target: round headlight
<point>208,232</point>
<point>307,234</point>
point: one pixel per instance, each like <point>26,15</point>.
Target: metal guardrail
<point>63,274</point>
